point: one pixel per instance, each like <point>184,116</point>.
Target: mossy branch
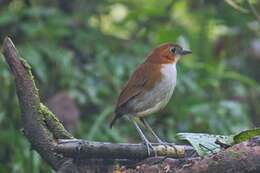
<point>40,125</point>
<point>53,123</point>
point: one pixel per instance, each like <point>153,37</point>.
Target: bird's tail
<point>116,116</point>
<point>113,121</point>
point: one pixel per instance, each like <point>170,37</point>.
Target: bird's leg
<point>151,130</point>
<point>154,134</point>
<point>145,140</point>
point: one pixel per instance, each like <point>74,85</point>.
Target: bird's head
<point>167,53</point>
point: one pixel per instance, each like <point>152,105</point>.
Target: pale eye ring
<point>173,50</point>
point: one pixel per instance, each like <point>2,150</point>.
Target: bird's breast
<point>167,84</point>
<point>157,98</point>
<point>169,74</point>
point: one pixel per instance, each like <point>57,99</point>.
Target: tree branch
<point>82,149</point>
<point>53,124</point>
<point>240,158</point>
<point>33,116</point>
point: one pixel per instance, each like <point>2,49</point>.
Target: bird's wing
<point>142,80</point>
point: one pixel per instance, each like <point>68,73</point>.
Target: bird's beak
<point>185,52</point>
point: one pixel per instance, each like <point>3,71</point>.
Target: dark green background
<point>88,49</point>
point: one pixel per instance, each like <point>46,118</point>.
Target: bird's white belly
<point>160,95</point>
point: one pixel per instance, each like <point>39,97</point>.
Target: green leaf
<point>246,135</point>
<point>204,143</point>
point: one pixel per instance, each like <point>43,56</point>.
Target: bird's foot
<point>149,148</point>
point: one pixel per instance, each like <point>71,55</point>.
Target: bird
<point>150,88</point>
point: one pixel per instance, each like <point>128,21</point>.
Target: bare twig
<point>233,4</point>
<point>254,11</point>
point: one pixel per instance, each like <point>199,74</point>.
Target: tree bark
<point>43,130</point>
<point>32,120</point>
<point>105,150</point>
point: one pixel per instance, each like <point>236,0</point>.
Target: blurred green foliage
<point>89,48</point>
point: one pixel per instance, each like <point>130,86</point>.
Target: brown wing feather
<point>133,86</point>
<point>142,80</point>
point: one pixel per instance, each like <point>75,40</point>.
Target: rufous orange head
<point>167,53</point>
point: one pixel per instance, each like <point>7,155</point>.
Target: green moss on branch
<point>53,123</point>
<point>28,69</point>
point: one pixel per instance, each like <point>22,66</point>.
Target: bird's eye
<point>173,49</point>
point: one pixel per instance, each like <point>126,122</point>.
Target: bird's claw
<point>149,148</point>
